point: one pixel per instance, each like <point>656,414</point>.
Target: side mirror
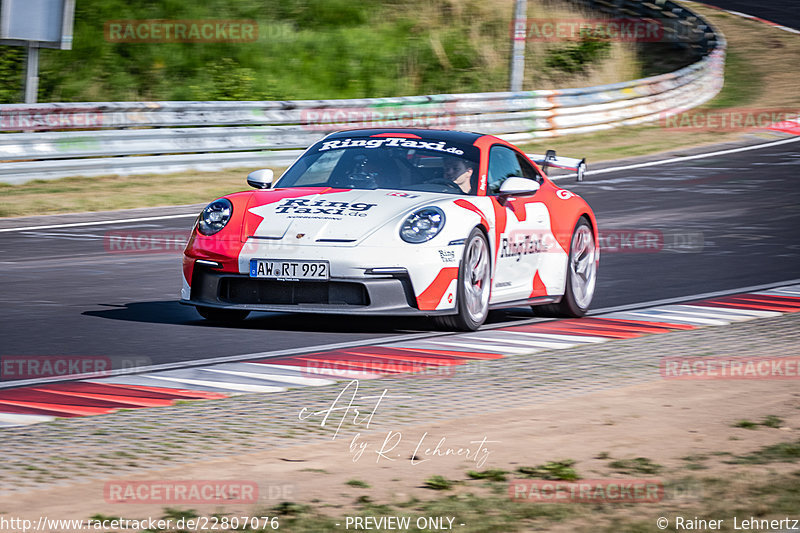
<point>516,185</point>
<point>260,179</point>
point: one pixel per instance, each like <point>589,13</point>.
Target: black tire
<point>572,306</point>
<point>466,319</point>
<point>222,316</point>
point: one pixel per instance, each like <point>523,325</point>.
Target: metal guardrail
<point>160,137</point>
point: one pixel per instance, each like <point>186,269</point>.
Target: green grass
<point>494,474</point>
<point>772,421</point>
<point>746,424</point>
<point>551,470</point>
<point>638,465</point>
<point>782,452</point>
<point>173,513</point>
<point>306,49</point>
<point>438,482</point>
<point>743,82</point>
<point>775,496</point>
<point>357,483</point>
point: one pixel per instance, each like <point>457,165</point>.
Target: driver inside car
<point>460,172</point>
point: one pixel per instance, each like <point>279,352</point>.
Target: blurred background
<point>312,49</point>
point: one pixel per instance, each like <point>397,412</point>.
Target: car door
<point>523,223</point>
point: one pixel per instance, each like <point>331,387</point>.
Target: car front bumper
<point>374,295</point>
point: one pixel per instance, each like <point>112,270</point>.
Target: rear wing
<point>550,159</point>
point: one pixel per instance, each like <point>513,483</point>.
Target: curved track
<point>782,12</point>
<point>725,222</point>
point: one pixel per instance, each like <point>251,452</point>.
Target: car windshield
<point>387,162</point>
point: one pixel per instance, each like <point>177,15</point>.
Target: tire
<point>581,275</point>
<point>474,284</point>
<point>222,316</point>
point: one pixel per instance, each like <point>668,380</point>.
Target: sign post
<point>36,24</point>
<point>518,46</point>
<point>31,73</point>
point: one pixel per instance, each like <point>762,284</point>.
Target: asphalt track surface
<point>726,222</point>
<point>784,12</point>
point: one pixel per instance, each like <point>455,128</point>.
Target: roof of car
<point>441,135</point>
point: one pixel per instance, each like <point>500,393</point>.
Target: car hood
<point>305,216</point>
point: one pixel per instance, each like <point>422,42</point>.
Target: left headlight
<point>214,217</point>
<point>422,225</point>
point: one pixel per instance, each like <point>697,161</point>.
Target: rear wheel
<point>581,275</point>
<point>474,280</point>
<point>222,316</point>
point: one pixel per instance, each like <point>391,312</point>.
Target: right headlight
<point>422,225</point>
<point>214,217</point>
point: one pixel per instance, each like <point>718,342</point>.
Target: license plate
<point>289,270</point>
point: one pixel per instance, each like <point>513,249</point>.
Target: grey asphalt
<point>784,12</point>
<point>727,222</point>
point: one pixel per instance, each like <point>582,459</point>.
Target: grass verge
<point>484,506</point>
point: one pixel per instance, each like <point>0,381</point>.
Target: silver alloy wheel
<point>476,278</point>
<point>583,266</point>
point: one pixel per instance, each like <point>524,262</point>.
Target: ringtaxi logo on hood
<point>322,207</point>
<point>439,146</point>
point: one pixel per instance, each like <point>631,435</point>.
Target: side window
<point>503,163</point>
<point>527,170</point>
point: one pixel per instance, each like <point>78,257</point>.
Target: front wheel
<point>581,275</point>
<point>222,316</point>
<point>474,281</point>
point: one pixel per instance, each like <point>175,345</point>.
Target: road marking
<point>8,420</point>
<point>97,223</point>
<point>294,380</point>
<point>688,157</point>
<point>576,339</point>
<point>254,377</point>
<point>241,387</point>
<point>684,299</point>
<point>664,316</point>
<point>754,313</point>
<point>422,338</point>
<point>487,346</point>
<point>504,340</point>
<point>712,312</point>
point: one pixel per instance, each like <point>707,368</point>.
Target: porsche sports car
<point>394,222</point>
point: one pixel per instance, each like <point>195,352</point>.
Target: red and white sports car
<point>397,221</point>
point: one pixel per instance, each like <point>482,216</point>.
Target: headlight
<point>214,217</point>
<point>422,225</point>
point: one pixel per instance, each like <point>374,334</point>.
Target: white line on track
<point>381,341</point>
<point>689,157</point>
<point>701,296</point>
<point>98,222</point>
<point>565,176</point>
